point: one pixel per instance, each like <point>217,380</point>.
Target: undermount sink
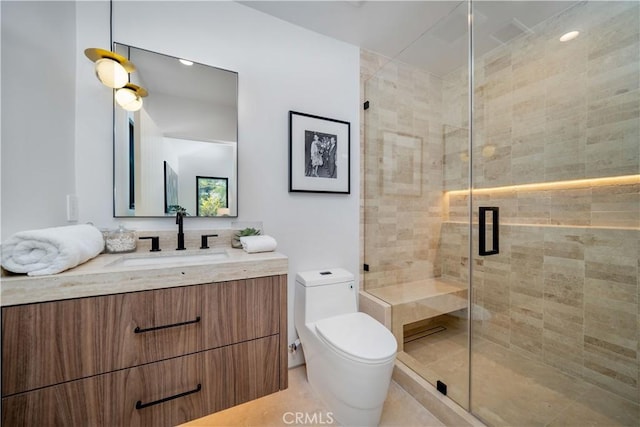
<point>138,260</point>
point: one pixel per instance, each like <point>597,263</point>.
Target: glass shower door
<point>554,278</point>
<point>416,239</point>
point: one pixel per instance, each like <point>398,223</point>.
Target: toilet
<point>349,355</point>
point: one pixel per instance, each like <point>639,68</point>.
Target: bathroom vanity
<point>114,343</point>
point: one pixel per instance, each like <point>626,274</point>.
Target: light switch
<point>72,207</point>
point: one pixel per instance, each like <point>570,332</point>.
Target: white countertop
<point>105,275</point>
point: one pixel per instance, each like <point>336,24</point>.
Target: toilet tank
<point>324,293</point>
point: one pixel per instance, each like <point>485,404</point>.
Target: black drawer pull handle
<point>139,330</point>
<point>140,405</point>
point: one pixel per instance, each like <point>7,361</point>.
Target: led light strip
<point>555,185</point>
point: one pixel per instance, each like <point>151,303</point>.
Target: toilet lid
<point>358,336</point>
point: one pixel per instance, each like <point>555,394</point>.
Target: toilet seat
<point>358,336</point>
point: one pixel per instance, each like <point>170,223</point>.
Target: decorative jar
<point>120,240</point>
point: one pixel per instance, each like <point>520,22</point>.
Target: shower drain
<point>424,333</point>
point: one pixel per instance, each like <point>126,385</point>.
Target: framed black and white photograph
<point>319,150</point>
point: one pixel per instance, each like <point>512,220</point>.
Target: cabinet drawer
<point>48,343</point>
<point>227,376</point>
<point>256,368</point>
<point>111,399</point>
<point>241,310</point>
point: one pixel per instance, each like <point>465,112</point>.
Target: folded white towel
<point>51,250</point>
<point>253,244</point>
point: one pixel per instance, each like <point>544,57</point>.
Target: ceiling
<point>202,107</point>
<point>429,34</point>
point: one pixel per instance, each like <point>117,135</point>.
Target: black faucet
<point>179,215</point>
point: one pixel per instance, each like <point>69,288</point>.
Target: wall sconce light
<point>130,96</point>
<point>112,69</point>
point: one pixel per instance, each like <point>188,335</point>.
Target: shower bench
<point>414,301</point>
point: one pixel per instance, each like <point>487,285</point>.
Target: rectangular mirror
<point>186,130</point>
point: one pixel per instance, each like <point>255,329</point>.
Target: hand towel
<point>253,244</point>
<point>51,250</point>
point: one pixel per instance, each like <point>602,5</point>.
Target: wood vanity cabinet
<point>148,358</point>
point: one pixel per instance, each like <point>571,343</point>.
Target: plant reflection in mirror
<point>177,208</point>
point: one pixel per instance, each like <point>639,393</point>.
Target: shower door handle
<point>495,232</point>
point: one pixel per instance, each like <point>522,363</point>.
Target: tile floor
<point>279,409</point>
<point>509,389</point>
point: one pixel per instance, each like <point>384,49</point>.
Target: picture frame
<point>319,154</point>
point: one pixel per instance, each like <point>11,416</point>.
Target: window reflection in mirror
<point>186,130</point>
<point>213,195</point>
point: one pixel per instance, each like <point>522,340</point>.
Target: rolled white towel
<point>51,250</point>
<point>253,244</point>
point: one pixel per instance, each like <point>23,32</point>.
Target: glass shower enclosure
<point>501,208</point>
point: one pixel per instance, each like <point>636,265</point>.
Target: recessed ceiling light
<point>569,36</point>
<point>185,62</point>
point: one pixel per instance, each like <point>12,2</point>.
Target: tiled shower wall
<point>567,296</point>
<point>548,111</point>
<point>402,172</point>
<point>564,289</point>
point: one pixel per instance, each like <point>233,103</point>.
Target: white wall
<point>184,118</point>
<point>149,160</point>
<point>202,159</point>
<point>281,67</point>
<point>38,114</point>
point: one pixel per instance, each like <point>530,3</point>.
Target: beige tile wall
<point>565,288</point>
<point>548,111</point>
<point>401,172</point>
<point>567,296</point>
